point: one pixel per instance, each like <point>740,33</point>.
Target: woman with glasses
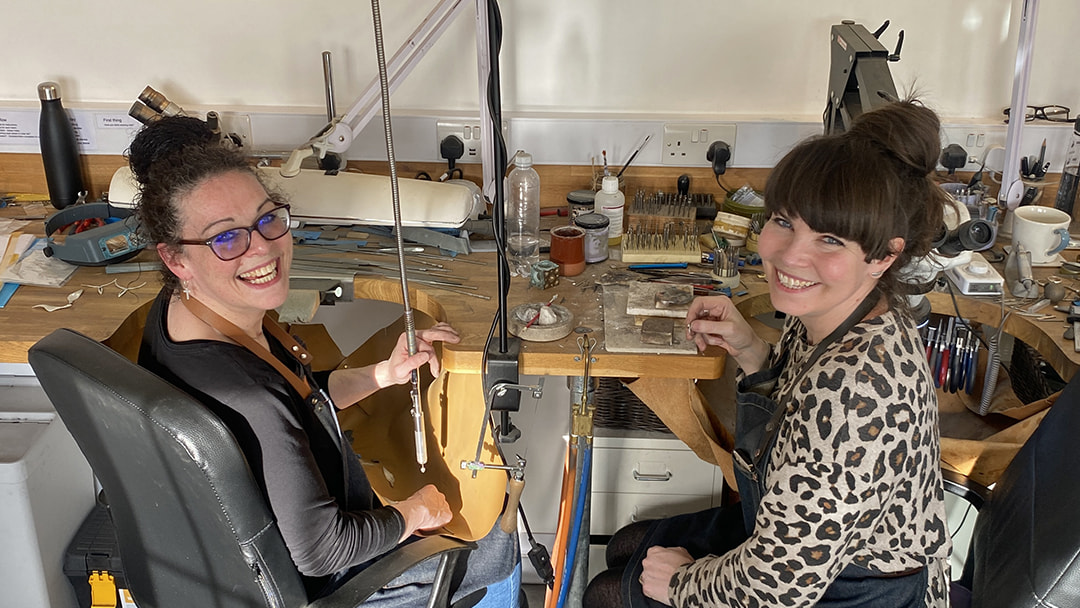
<point>223,240</point>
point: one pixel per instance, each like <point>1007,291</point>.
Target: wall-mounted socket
<point>977,141</point>
<point>237,126</point>
<point>469,132</point>
<point>685,144</point>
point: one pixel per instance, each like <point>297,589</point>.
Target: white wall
<point>763,60</point>
<point>763,57</point>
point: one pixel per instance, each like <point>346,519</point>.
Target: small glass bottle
<point>610,203</point>
<point>59,152</point>
<point>522,215</point>
<point>1070,174</point>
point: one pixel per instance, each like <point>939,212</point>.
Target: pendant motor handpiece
<point>419,438</point>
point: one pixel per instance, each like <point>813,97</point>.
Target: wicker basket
<point>617,407</point>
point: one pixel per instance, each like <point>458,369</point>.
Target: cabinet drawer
<point>652,472</point>
<point>613,511</point>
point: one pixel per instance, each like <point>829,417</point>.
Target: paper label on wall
<point>117,121</point>
<point>20,127</point>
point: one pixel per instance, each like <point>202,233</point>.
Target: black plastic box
<point>93,548</point>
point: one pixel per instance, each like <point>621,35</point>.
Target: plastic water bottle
<point>59,152</point>
<point>610,203</point>
<point>1070,174</point>
<point>522,215</point>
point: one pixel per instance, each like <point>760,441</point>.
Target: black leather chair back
<point>1027,535</point>
<point>192,525</point>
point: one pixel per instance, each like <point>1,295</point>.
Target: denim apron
<point>758,419</point>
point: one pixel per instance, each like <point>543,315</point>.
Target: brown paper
<point>679,405</point>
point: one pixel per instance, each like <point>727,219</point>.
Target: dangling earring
<point>186,289</point>
<point>876,274</point>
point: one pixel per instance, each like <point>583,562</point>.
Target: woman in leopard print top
<point>842,500</point>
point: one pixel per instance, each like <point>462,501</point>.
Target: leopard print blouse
<point>854,477</point>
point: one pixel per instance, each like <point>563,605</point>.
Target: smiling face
<point>243,289</point>
<point>817,277</point>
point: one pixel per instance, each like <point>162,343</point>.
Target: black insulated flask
<point>59,152</point>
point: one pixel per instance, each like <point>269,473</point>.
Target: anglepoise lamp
<point>1012,186</point>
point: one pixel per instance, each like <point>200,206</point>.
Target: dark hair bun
<point>163,141</point>
<point>906,130</point>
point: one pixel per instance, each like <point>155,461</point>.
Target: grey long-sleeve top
<point>330,518</point>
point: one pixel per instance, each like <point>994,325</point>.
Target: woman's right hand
<point>426,509</point>
<point>715,320</point>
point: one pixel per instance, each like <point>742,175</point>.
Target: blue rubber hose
<point>575,526</point>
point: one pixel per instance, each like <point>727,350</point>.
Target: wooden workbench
<point>101,315</point>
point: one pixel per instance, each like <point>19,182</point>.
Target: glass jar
<point>580,202</point>
<point>596,236</point>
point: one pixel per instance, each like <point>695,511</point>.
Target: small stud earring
<point>876,274</point>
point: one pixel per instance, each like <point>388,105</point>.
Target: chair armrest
<point>960,485</point>
<point>388,567</point>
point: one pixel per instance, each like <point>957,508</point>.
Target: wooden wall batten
<point>25,173</point>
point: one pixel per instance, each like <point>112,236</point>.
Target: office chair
<point>192,525</point>
<point>1025,547</point>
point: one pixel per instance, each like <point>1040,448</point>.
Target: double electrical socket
<point>468,132</point>
<point>686,144</point>
<point>977,141</point>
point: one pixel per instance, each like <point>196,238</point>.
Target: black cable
<point>964,519</point>
<point>722,186</point>
<point>497,212</point>
<point>423,175</point>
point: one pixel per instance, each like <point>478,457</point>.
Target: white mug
<point>1044,231</point>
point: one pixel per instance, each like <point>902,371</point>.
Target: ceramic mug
<point>568,249</point>
<point>1044,231</point>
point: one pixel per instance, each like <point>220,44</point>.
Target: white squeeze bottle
<point>522,215</point>
<point>610,203</point>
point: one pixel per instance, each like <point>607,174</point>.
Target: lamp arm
<point>1012,188</point>
<point>338,135</point>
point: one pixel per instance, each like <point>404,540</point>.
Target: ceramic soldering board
<point>622,335</point>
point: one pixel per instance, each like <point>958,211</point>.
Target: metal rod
<point>410,325</point>
<point>328,79</point>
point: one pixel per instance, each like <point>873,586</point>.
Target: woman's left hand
<point>398,368</point>
<point>659,566</point>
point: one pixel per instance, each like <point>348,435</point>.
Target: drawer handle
<point>639,477</point>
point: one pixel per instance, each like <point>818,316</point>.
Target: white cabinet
<point>648,477</point>
<point>46,490</point>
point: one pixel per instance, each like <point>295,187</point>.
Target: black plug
<point>953,157</point>
<point>541,562</point>
<point>719,154</point>
<point>683,185</point>
<point>331,163</point>
<point>451,148</point>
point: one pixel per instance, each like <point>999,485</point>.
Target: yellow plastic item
<point>102,589</point>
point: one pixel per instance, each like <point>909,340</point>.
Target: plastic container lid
<point>581,197</point>
<point>523,159</point>
<point>592,221</point>
<point>610,184</point>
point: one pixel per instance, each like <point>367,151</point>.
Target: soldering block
<point>658,330</point>
<point>545,274</point>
